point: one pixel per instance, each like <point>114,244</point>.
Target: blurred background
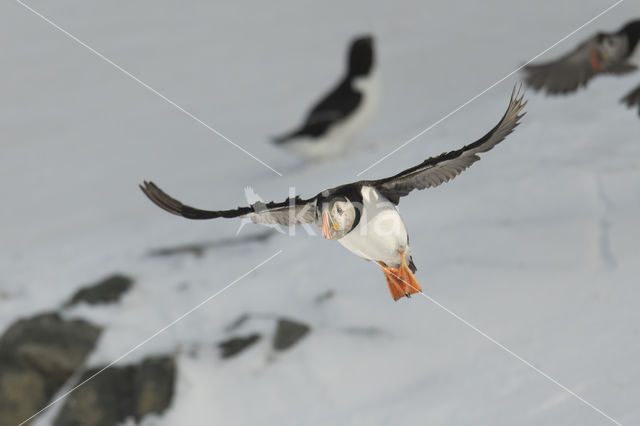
<point>536,245</point>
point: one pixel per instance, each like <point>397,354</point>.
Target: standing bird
<point>343,112</point>
<point>603,53</point>
<point>362,215</point>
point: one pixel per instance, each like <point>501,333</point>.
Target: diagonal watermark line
<point>490,87</point>
<point>519,358</point>
<point>148,339</point>
<point>509,351</point>
<point>142,83</point>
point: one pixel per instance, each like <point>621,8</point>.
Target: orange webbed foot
<point>401,281</point>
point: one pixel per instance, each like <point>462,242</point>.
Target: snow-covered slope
<point>536,245</point>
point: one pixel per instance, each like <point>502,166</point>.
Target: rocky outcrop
<point>108,290</point>
<point>120,393</point>
<point>288,333</point>
<point>235,345</point>
<point>37,356</point>
<point>198,249</point>
<point>41,354</point>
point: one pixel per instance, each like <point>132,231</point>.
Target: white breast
<point>369,86</point>
<point>380,234</point>
<point>339,135</point>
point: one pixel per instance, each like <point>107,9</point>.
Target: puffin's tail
<point>280,140</point>
<point>412,265</point>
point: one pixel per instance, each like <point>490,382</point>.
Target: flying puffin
<point>362,215</point>
<point>603,53</point>
<point>343,112</point>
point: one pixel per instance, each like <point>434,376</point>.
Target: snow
<point>536,245</point>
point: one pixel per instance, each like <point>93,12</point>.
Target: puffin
<point>363,216</point>
<point>339,115</point>
<point>603,53</point>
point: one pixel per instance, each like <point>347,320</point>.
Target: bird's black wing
<point>632,98</point>
<point>575,69</point>
<point>436,170</point>
<point>292,211</point>
<point>336,106</point>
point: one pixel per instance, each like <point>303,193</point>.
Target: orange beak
<point>597,60</point>
<point>325,226</point>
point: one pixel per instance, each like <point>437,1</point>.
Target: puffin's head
<point>610,48</point>
<point>361,56</point>
<point>338,217</point>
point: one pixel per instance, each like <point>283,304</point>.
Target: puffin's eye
<point>340,210</point>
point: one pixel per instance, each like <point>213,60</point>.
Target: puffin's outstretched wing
<point>632,98</point>
<point>602,53</point>
<point>437,170</point>
<point>292,211</point>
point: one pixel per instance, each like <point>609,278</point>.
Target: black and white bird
<point>362,216</point>
<point>603,53</point>
<point>338,117</point>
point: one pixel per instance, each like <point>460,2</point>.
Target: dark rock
<point>323,297</point>
<point>108,290</point>
<point>364,331</point>
<point>288,333</point>
<point>37,356</point>
<point>198,249</point>
<point>119,393</point>
<point>235,345</point>
<point>195,249</point>
<point>237,323</point>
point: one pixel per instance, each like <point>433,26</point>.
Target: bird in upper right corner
<point>339,115</point>
<point>604,53</point>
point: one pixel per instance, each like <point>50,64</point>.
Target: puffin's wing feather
<point>338,104</point>
<point>577,68</point>
<point>436,170</point>
<point>292,211</point>
<point>335,106</point>
<point>632,98</point>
